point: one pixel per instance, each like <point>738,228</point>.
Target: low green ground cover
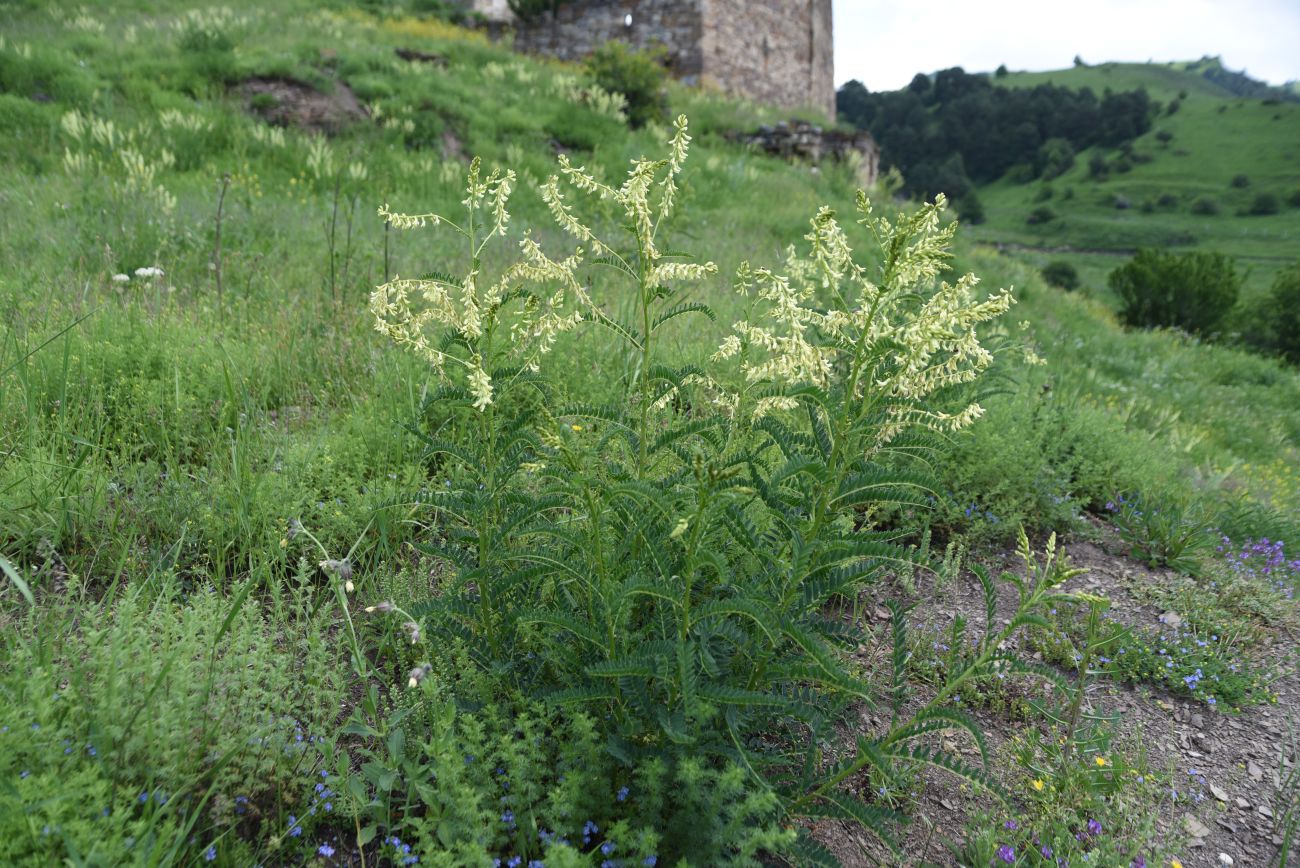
<point>211,465</point>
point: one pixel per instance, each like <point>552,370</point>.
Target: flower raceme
<point>419,313</point>
<point>892,340</point>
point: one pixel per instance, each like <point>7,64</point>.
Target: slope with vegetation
<point>1213,166</point>
<point>396,468</point>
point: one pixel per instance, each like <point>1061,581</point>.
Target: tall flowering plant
<point>665,560</point>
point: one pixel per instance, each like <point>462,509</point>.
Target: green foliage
<point>1206,206</point>
<point>971,209</point>
<point>669,571</point>
<point>1062,275</point>
<point>536,783</point>
<point>1283,313</point>
<point>1265,203</point>
<point>638,75</point>
<point>986,128</point>
<point>1239,182</point>
<point>1084,799</point>
<point>1160,532</point>
<point>153,733</point>
<point>1040,215</point>
<point>1191,291</point>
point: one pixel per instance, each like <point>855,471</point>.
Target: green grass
<point>158,436</point>
<point>1216,136</point>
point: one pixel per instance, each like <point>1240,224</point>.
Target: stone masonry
<point>772,51</point>
<point>804,141</point>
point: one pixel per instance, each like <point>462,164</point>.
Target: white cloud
<point>884,44</point>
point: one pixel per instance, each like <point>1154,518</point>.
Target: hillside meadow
<point>657,502</point>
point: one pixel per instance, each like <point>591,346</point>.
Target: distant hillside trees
<point>926,127</point>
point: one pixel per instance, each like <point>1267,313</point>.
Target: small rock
<point>1255,772</point>
<point>1219,792</point>
<point>1225,859</point>
<point>1198,721</point>
<point>882,614</point>
<point>1171,619</point>
<point>1265,811</point>
<point>1243,804</point>
<point>1195,827</point>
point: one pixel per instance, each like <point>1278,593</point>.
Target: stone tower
<point>772,51</point>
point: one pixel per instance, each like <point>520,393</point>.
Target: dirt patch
<point>1231,762</point>
<point>286,102</point>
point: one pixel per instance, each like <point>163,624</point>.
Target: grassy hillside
<point>1192,155</point>
<point>274,591</point>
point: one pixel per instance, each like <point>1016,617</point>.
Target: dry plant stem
<point>216,250</point>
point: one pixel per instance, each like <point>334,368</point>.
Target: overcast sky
<point>884,43</point>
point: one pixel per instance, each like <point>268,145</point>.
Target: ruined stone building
<point>772,51</point>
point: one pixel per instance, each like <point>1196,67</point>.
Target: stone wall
<point>579,27</point>
<point>497,11</point>
<point>804,141</point>
<point>771,51</point>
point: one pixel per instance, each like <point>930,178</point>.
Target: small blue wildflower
<point>23,774</point>
<point>650,860</point>
<point>622,794</point>
<point>325,850</point>
<point>607,848</point>
<point>210,854</point>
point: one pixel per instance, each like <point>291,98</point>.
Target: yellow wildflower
<point>1100,761</point>
<point>1038,785</point>
<point>576,427</point>
<point>1175,864</point>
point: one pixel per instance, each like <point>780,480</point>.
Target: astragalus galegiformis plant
<point>667,560</point>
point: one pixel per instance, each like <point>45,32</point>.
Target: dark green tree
<point>1061,274</point>
<point>1190,291</point>
<point>1285,312</point>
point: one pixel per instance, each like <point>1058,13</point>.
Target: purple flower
<point>1012,825</point>
<point>622,793</point>
<point>325,850</point>
<point>1007,854</point>
<point>1139,862</point>
<point>1094,827</point>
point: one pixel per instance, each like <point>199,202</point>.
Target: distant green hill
<point>1209,159</point>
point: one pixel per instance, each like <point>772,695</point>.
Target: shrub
<point>1190,291</point>
<point>1061,274</point>
<point>1294,199</point>
<point>1239,182</point>
<point>1164,137</point>
<point>1206,206</point>
<point>1122,203</point>
<point>638,75</point>
<point>1167,200</point>
<point>1284,312</point>
<point>971,209</point>
<point>1055,158</point>
<point>1042,214</point>
<point>1098,168</point>
<point>1265,203</point>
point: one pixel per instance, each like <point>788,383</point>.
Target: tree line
<point>951,131</point>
